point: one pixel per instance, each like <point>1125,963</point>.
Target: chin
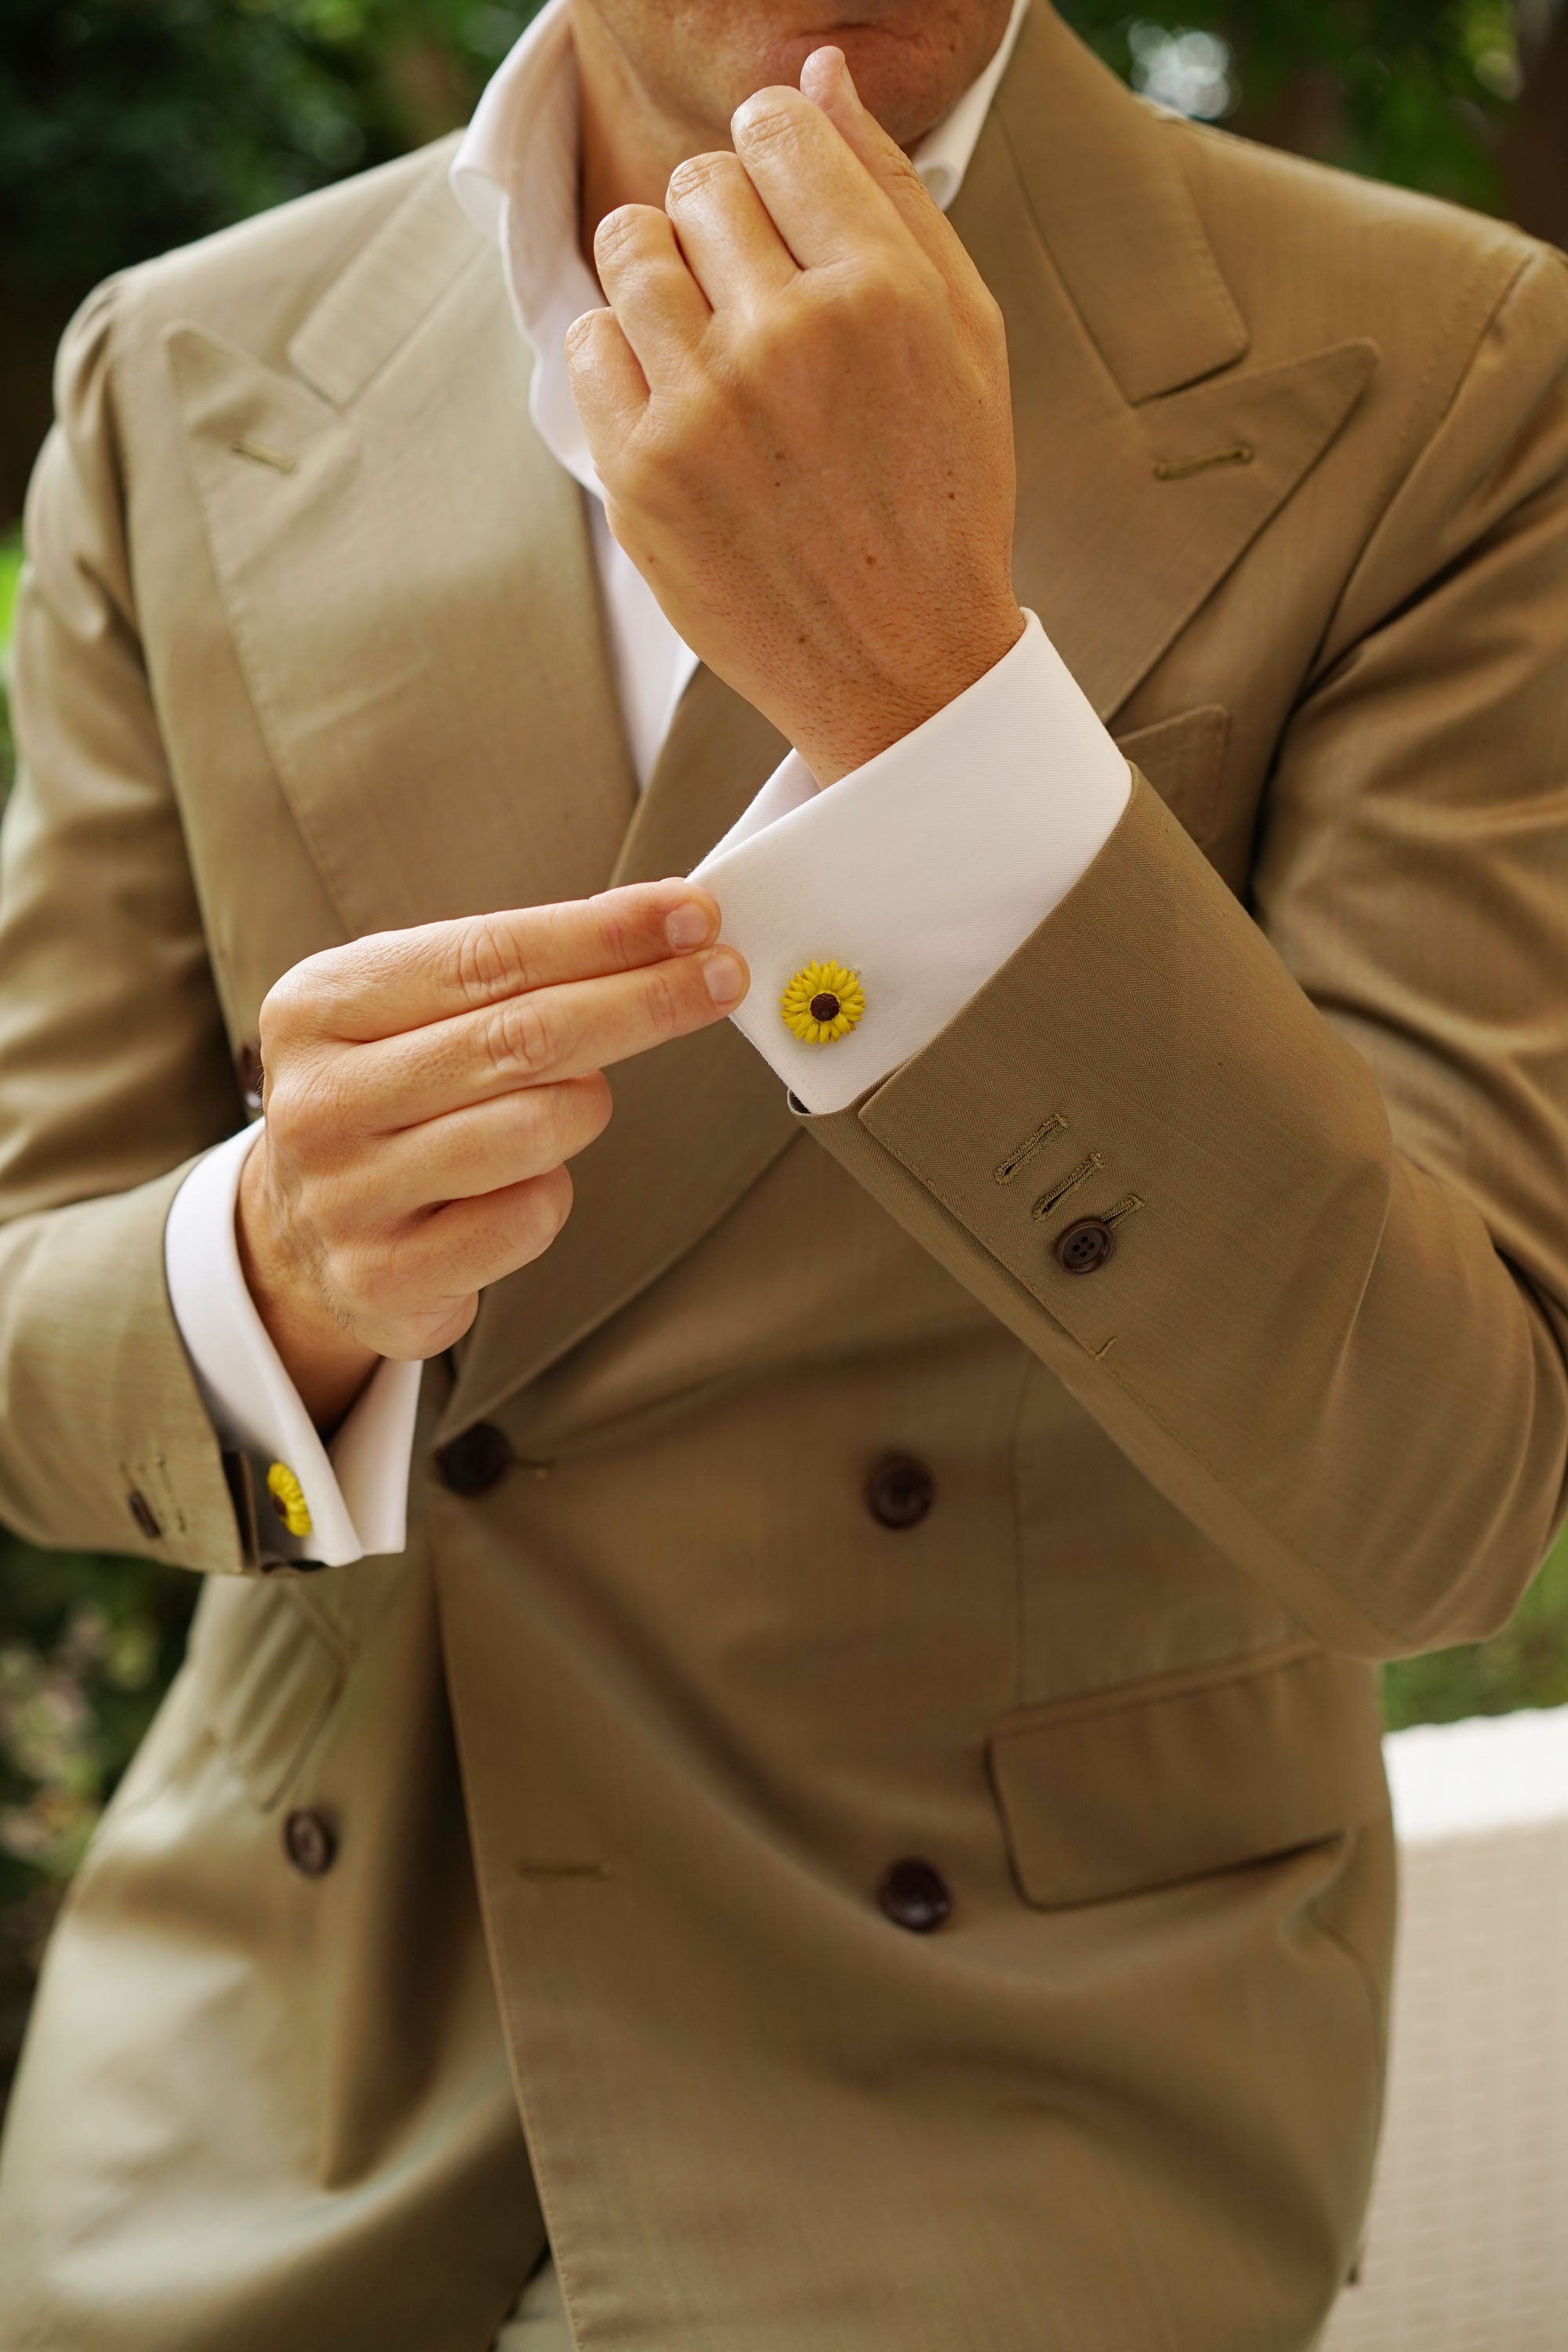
<point>911,59</point>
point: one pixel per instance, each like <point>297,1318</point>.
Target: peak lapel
<point>1148,461</point>
<point>407,577</point>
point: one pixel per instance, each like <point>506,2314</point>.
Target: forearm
<point>1309,1346</point>
<point>105,1443</point>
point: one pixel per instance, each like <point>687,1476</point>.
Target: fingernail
<point>687,926</point>
<point>725,975</point>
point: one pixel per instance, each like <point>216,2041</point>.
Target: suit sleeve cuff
<point>356,1491</point>
<point>919,872</point>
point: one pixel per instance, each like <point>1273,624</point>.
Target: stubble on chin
<point>697,60</point>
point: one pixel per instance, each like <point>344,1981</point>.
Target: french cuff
<point>870,913</point>
<point>326,1505</point>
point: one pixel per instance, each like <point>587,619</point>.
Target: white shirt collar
<point>515,175</point>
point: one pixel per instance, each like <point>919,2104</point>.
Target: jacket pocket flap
<point>1132,1789</point>
<point>1183,759</point>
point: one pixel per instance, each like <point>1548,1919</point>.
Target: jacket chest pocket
<point>1127,1790</point>
<point>1183,759</point>
<point>269,1668</point>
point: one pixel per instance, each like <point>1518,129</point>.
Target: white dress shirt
<point>921,871</point>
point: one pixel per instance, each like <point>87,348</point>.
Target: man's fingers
<point>658,304</point>
<point>606,380</point>
<point>824,200</point>
<point>729,239</point>
<point>541,1037</point>
<point>484,1147</point>
<point>827,80</point>
<point>392,982</point>
<point>465,1246</point>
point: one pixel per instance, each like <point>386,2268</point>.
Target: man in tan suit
<point>852,1813</point>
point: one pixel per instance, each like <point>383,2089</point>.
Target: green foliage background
<point>127,126</point>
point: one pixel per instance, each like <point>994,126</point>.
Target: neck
<point>630,144</point>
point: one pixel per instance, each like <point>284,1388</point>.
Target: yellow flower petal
<point>289,1499</point>
<point>799,1004</point>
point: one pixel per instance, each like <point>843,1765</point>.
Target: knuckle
<point>614,231</point>
<point>543,1208</point>
<point>292,1121</point>
<point>310,1106</point>
<point>583,331</point>
<point>696,174</point>
<point>596,1106</point>
<point>647,475</point>
<point>987,311</point>
<point>617,945</point>
<point>286,1007</point>
<point>489,961</point>
<point>577,1114</point>
<point>621,234</point>
<point>284,1123</point>
<point>556,1197</point>
<point>876,294</point>
<point>771,117</point>
<point>766,344</point>
<point>704,414</point>
<point>666,1012</point>
<point>519,1038</point>
<point>328,1099</point>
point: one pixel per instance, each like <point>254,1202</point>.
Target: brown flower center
<point>824,1007</point>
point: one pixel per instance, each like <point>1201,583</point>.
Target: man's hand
<point>798,405</point>
<point>425,1090</point>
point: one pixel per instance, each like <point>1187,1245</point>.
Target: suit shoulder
<point>1311,251</point>
<point>253,283</point>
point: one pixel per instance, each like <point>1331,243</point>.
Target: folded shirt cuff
<point>917,874</point>
<point>356,1490</point>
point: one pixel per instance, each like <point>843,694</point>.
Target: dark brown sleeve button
<point>900,1494</point>
<point>248,1070</point>
<point>474,1462</point>
<point>309,1842</point>
<point>914,1895</point>
<point>1086,1247</point>
<point>145,1517</point>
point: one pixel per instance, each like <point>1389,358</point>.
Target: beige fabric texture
<point>539,2323</point>
<point>617,1752</point>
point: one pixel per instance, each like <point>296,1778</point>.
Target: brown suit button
<point>248,1070</point>
<point>309,1842</point>
<point>145,1517</point>
<point>475,1462</point>
<point>900,1494</point>
<point>914,1895</point>
<point>1084,1247</point>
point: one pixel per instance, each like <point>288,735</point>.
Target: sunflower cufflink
<point>823,1003</point>
<point>289,1499</point>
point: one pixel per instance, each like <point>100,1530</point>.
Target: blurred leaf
<point>1396,88</point>
<point>1524,1666</point>
<point>87,1645</point>
<point>10,572</point>
<point>129,126</point>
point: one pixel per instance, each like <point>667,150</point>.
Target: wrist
<point>842,732</point>
<point>326,1363</point>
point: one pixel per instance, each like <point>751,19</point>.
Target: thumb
<point>827,80</point>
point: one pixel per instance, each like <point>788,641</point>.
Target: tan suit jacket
<point>1293,457</point>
